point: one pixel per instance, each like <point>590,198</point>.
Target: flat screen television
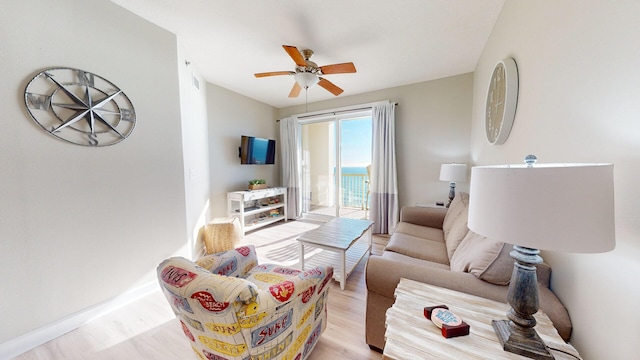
<point>257,151</point>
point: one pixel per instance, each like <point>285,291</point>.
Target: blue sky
<point>356,142</point>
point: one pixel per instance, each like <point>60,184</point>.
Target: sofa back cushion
<point>455,222</point>
<point>418,247</point>
<point>487,259</point>
<point>423,216</point>
<point>460,201</point>
<point>425,232</point>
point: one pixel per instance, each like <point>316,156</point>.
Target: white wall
<point>579,74</point>
<point>232,115</point>
<point>81,225</point>
<point>432,127</point>
<point>195,146</point>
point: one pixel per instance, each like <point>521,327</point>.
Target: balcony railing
<point>355,190</point>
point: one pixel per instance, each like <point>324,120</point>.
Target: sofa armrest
<point>543,274</point>
<point>424,216</point>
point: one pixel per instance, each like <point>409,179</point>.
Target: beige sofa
<point>434,246</point>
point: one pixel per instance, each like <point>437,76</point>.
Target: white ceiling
<point>391,42</point>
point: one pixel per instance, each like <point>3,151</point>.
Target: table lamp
<point>453,173</point>
<point>554,207</point>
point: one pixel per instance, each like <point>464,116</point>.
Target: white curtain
<point>384,184</point>
<point>291,148</point>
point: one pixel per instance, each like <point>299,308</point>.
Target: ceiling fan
<point>308,73</point>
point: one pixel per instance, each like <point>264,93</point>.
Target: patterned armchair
<point>232,308</point>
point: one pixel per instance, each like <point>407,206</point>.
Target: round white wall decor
<point>502,99</point>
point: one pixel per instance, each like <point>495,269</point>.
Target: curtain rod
<point>336,112</point>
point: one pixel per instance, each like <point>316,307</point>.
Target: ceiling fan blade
<point>295,90</point>
<point>338,68</point>
<point>295,55</point>
<point>329,86</point>
<point>274,73</point>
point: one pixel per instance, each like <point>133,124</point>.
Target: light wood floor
<point>147,328</point>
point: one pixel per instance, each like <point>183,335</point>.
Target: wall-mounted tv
<point>257,151</point>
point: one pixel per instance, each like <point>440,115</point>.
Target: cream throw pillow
<point>459,203</point>
<point>459,229</point>
<point>454,226</point>
<point>487,259</point>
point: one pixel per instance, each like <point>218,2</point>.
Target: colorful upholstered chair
<point>230,307</point>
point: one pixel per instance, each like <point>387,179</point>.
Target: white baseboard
<point>37,337</point>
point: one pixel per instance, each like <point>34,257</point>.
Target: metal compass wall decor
<point>79,107</point>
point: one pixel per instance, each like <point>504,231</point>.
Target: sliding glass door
<point>335,161</point>
<point>318,162</point>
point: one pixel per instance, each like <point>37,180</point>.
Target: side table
<point>409,335</point>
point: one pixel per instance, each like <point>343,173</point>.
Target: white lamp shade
<point>453,172</point>
<point>306,79</point>
<point>557,207</point>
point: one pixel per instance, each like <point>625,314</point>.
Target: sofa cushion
<point>424,232</point>
<point>487,259</point>
<point>418,248</point>
<point>411,260</point>
<point>459,203</point>
<point>457,232</point>
<point>455,222</point>
<point>425,216</point>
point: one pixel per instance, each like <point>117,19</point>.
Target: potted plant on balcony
<point>257,184</point>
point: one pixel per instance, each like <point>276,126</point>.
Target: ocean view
<point>354,170</point>
<point>354,186</point>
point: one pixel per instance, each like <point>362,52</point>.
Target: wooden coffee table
<point>409,335</point>
<point>346,240</point>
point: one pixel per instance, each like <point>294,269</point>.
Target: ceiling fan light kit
<point>306,79</point>
<point>307,73</point>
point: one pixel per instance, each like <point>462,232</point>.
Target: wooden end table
<point>409,335</point>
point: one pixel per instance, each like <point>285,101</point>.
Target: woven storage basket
<point>221,234</point>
